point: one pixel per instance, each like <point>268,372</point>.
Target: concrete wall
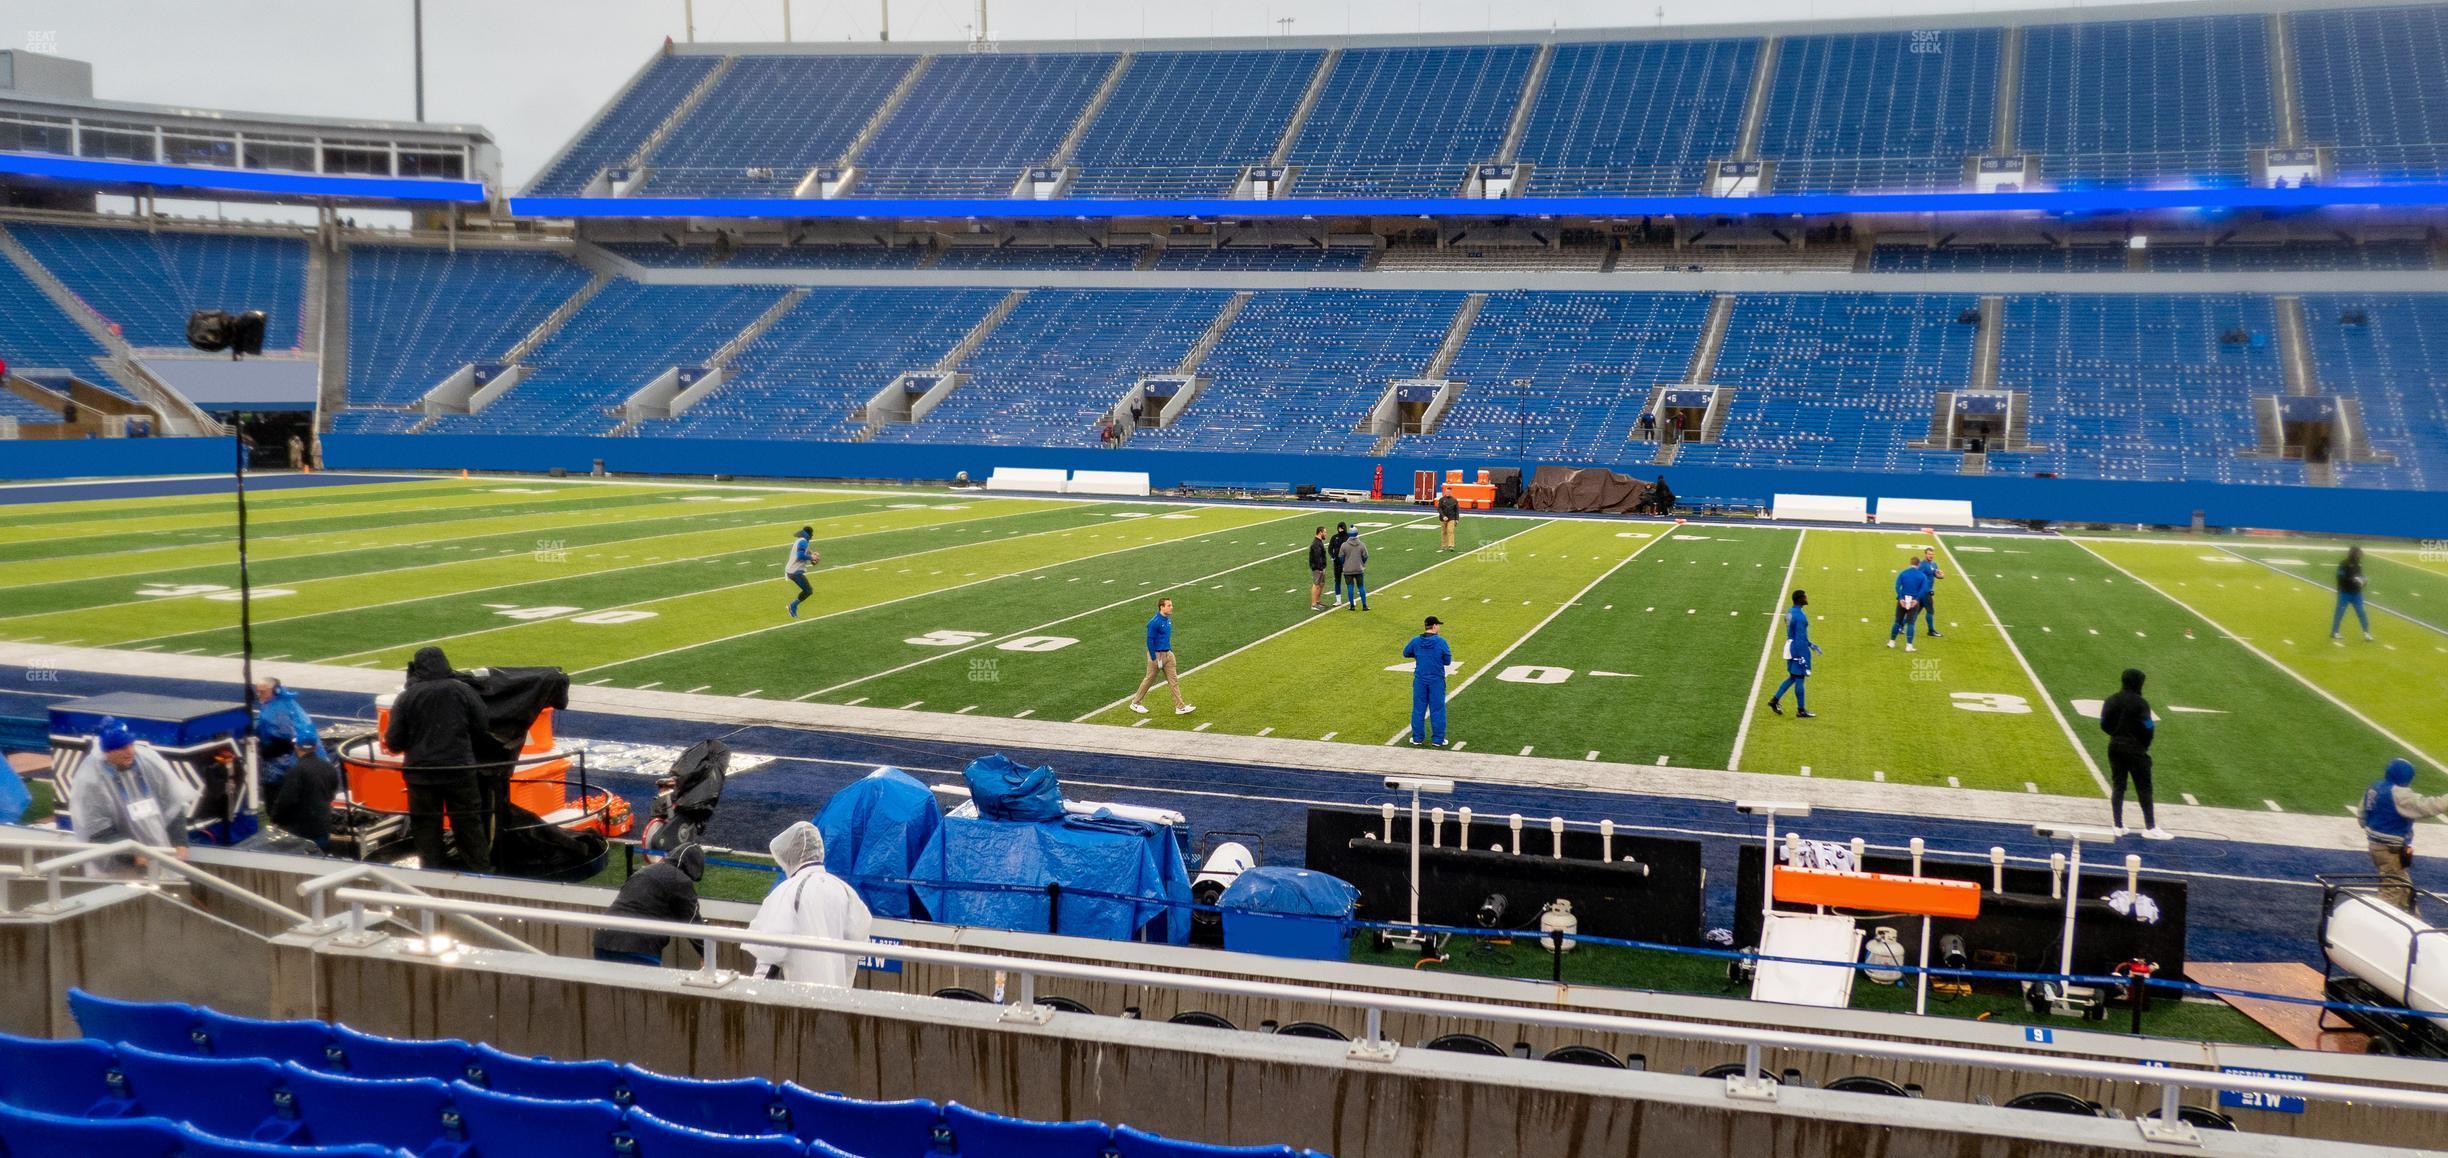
<point>2408,513</point>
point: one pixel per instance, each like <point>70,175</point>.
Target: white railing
<point>1373,1006</point>
<point>156,861</point>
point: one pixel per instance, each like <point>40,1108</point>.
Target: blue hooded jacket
<point>2381,820</point>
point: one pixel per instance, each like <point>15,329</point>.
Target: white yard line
<point>1964,573</point>
<point>1037,628</point>
<point>1320,616</point>
<point>1768,650</point>
<point>1541,625</point>
<point>2272,660</point>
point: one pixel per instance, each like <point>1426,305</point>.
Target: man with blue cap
<point>2390,808</point>
<point>131,793</point>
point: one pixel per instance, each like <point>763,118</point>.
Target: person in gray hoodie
<point>1353,556</point>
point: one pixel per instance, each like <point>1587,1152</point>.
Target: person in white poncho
<point>131,793</point>
<point>809,902</point>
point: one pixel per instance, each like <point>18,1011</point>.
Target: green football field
<point>1592,640</point>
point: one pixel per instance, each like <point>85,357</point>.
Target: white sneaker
<point>2336,642</point>
<point>1183,709</point>
<point>2367,637</point>
<point>1891,643</point>
<point>2120,830</point>
<point>2157,834</point>
<point>1138,707</point>
<point>1909,647</point>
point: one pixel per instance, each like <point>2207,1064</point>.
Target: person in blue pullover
<point>1798,652</point>
<point>1430,655</point>
<point>1929,602</point>
<point>1160,663</point>
<point>1912,585</point>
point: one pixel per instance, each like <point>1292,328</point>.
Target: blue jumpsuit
<point>1797,658</point>
<point>1429,655</point>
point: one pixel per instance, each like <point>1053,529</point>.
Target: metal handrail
<point>156,860</point>
<point>317,889</point>
<point>2170,1080</point>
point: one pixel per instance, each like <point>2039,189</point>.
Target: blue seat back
<point>978,1134</point>
<point>365,1055</point>
<point>904,1129</point>
<point>338,1109</point>
<point>166,1026</point>
<point>229,1096</point>
<point>29,1132</point>
<point>229,1035</point>
<point>536,1077</point>
<point>196,1143</point>
<point>733,1106</point>
<point>1135,1143</point>
<point>509,1126</point>
<point>657,1138</point>
<point>60,1077</point>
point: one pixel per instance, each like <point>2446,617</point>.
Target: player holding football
<point>803,555</point>
<point>1798,652</point>
<point>1912,585</point>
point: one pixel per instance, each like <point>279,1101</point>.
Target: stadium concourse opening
<point>995,570</point>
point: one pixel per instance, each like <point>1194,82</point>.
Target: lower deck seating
<point>1837,381</point>
<point>2158,387</point>
<point>1299,369</point>
<point>1564,375</point>
<point>210,1084</point>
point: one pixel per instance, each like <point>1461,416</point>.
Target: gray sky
<point>534,71</point>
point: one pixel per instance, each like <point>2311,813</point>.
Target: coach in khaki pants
<point>1160,662</point>
<point>1449,512</point>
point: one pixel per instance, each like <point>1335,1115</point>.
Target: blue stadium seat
<point>616,135</point>
<point>227,1096</point>
<point>194,1143</point>
<point>736,1106</point>
<point>508,1126</point>
<point>77,1078</point>
<point>366,1055</point>
<point>338,1109</point>
<point>31,1134</point>
<point>903,1129</point>
<point>1133,1143</point>
<point>657,1138</point>
<point>537,1077</point>
<point>167,1026</point>
<point>978,1134</point>
<point>303,1041</point>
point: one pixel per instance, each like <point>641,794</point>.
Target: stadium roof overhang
<point>2067,202</point>
<point>133,176</point>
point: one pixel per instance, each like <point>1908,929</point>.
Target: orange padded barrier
<point>1878,892</point>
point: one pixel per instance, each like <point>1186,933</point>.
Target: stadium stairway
<point>167,1078</point>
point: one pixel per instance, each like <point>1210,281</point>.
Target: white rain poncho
<point>809,902</point>
<point>148,801</point>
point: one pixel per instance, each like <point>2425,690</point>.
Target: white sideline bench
<point>1822,508</point>
<point>1026,478</point>
<point>1133,483</point>
<point>1924,512</point>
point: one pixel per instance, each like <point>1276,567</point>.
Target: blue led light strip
<point>201,177</point>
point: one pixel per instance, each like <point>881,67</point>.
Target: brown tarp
<point>1564,488</point>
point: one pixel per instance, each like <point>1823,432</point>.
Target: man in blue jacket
<point>2390,808</point>
<point>1160,663</point>
<point>1798,652</point>
<point>1430,655</point>
<point>1912,585</point>
<point>1929,602</point>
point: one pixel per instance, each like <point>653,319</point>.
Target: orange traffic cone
<point>463,472</point>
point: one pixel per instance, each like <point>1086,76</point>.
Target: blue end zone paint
<point>144,173</point>
<point>2336,510</point>
<point>2273,918</point>
<point>2062,201</point>
<point>154,488</point>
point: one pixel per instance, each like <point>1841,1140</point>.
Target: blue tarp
<point>874,830</point>
<point>1289,892</point>
<point>1006,789</point>
<point>993,874</point>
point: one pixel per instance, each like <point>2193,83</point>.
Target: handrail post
<point>1372,1045</point>
<point>1026,1010</point>
<point>707,975</point>
<point>1753,1082</point>
<point>2169,1126</point>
